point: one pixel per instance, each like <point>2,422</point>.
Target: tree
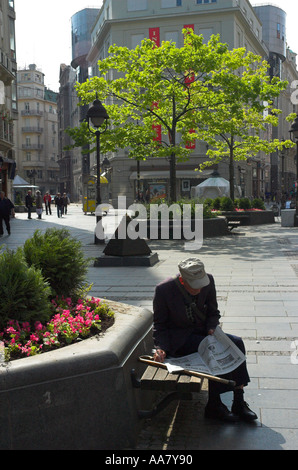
<point>162,98</point>
<point>237,128</point>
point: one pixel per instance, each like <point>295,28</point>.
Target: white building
<point>37,131</point>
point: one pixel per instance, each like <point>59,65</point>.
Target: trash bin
<point>287,217</point>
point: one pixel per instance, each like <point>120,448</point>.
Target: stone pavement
<point>256,275</point>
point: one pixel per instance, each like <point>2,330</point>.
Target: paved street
<point>256,274</point>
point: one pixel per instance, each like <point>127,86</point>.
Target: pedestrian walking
<point>185,312</point>
<point>65,203</point>
<point>59,205</point>
<point>47,199</point>
<point>29,203</point>
<point>6,208</point>
<point>38,204</point>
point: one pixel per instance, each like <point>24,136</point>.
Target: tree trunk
<point>173,195</point>
<point>231,168</point>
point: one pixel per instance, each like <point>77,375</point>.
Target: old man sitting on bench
<point>185,312</point>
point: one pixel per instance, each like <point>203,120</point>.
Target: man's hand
<point>159,355</point>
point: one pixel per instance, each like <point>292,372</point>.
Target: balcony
<point>32,147</point>
<point>31,112</point>
<point>6,75</point>
<point>32,130</point>
<point>6,135</point>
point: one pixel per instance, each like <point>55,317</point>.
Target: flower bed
<point>69,324</point>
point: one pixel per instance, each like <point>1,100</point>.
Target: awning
<point>20,183</point>
<point>162,174</point>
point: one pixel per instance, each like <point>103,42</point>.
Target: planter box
<point>79,397</point>
<point>156,230</point>
<point>22,209</point>
<point>251,217</point>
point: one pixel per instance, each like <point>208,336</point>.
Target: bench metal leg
<point>163,404</point>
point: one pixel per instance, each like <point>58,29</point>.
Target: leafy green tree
<point>239,126</point>
<point>160,99</point>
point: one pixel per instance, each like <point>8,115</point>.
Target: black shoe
<point>221,412</point>
<point>243,411</point>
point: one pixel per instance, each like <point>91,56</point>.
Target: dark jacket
<point>6,207</point>
<point>28,200</point>
<point>59,201</point>
<point>171,324</point>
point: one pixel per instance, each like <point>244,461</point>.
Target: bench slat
<point>155,378</point>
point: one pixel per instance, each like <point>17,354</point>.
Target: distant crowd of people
<point>7,208</point>
<point>61,202</point>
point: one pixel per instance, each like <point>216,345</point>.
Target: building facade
<point>37,131</point>
<point>66,105</point>
<point>8,94</point>
<point>128,22</point>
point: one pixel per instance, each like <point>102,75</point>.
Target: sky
<point>43,32</point>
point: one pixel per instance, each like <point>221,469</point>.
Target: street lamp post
<point>97,116</point>
<point>294,133</point>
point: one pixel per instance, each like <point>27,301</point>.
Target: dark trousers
<point>48,209</point>
<point>239,375</point>
<point>59,211</point>
<point>6,219</point>
<point>29,208</point>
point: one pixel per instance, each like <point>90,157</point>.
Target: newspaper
<point>217,355</point>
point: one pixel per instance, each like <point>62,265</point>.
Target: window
<point>278,30</point>
<point>136,40</point>
<point>206,33</point>
<point>2,93</point>
<point>171,3</point>
<point>12,38</point>
<point>135,5</point>
<point>172,36</point>
<point>206,1</point>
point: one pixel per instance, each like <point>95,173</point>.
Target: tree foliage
<point>161,98</point>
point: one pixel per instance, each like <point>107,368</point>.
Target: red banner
<point>189,79</point>
<point>157,129</point>
<point>154,35</point>
<point>189,26</point>
<point>191,144</point>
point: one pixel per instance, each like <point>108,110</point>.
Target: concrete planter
<point>251,217</point>
<point>79,397</point>
<point>22,209</point>
<point>215,227</point>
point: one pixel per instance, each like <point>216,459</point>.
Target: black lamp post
<point>96,117</point>
<point>294,133</point>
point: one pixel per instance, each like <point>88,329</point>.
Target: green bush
<point>60,259</point>
<point>227,204</point>
<point>217,203</point>
<point>24,293</point>
<point>257,203</point>
<point>244,203</point>
<point>208,202</point>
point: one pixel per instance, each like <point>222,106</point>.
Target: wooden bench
<point>236,221</point>
<point>179,387</point>
<point>233,224</point>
